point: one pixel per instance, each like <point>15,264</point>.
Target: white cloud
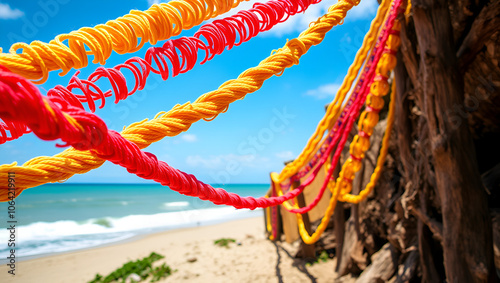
<point>285,155</point>
<point>184,138</point>
<point>7,13</point>
<point>189,137</point>
<point>324,91</point>
<point>366,9</point>
<point>151,2</point>
<point>220,161</point>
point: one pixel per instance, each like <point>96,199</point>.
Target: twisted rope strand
<point>382,156</point>
<point>16,130</point>
<point>342,134</point>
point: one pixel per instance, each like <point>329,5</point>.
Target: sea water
<point>63,217</point>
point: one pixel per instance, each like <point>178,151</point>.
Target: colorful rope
<point>333,109</point>
<point>85,131</point>
<point>343,185</point>
<point>174,57</point>
<point>63,116</point>
<point>339,129</point>
<point>62,166</point>
<point>159,22</point>
<point>15,129</point>
<point>310,239</point>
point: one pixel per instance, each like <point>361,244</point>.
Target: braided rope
<point>62,166</point>
<point>350,112</point>
<point>85,131</point>
<point>159,22</point>
<point>181,54</point>
<point>333,109</point>
<point>339,190</point>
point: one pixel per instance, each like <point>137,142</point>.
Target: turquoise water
<point>62,217</point>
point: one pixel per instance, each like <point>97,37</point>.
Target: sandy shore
<point>254,260</point>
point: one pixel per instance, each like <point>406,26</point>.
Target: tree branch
<point>434,226</point>
<point>483,27</point>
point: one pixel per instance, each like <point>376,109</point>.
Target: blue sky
<point>244,144</point>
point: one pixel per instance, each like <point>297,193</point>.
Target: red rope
<point>354,111</point>
<point>45,116</point>
<point>15,129</point>
<point>21,101</point>
<point>174,57</point>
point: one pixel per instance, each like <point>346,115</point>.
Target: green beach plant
<point>323,257</point>
<point>224,242</point>
<point>160,272</point>
<point>142,267</point>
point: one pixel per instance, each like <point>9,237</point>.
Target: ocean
<point>63,217</point>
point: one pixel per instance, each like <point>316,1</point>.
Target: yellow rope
<point>311,239</point>
<point>367,121</point>
<point>62,166</point>
<point>324,221</point>
<point>334,108</point>
<point>381,159</point>
<point>159,22</point>
<point>333,113</point>
<point>269,225</point>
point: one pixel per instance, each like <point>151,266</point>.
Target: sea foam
<point>60,236</point>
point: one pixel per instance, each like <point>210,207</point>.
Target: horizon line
<point>76,183</point>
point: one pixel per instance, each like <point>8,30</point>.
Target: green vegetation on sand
<point>224,242</point>
<point>142,267</point>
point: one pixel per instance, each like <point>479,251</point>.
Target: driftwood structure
<point>435,213</point>
<point>448,134</point>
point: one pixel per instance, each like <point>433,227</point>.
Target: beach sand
<point>256,259</point>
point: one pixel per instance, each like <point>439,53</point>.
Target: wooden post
<point>467,232</point>
<point>338,223</point>
<point>338,219</point>
<point>274,215</point>
<point>308,251</point>
<point>339,229</point>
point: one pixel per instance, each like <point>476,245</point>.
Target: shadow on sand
<point>300,264</point>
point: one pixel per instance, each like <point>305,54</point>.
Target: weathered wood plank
<point>383,266</point>
<point>467,240</point>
